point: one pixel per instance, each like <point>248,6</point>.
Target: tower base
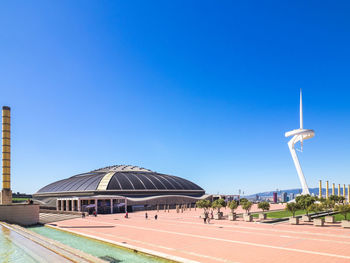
<point>5,197</point>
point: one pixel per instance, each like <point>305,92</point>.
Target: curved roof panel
<point>118,178</point>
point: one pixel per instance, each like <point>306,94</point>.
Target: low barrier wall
<point>49,211</point>
<point>21,214</point>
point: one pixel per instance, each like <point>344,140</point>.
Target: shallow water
<point>96,248</point>
<point>18,249</point>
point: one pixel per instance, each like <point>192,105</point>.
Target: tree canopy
<point>265,206</point>
<point>205,204</point>
<point>219,203</point>
<point>292,207</point>
<point>343,209</point>
<point>232,205</point>
<point>304,201</point>
<point>247,206</point>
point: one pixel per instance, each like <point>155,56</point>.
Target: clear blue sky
<point>199,89</point>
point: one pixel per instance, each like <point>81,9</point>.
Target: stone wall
<point>21,214</point>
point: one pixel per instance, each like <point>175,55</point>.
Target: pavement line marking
<point>132,247</point>
<point>168,248</point>
<point>239,242</point>
<point>282,236</point>
<point>271,230</point>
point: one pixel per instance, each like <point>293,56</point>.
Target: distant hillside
<point>294,191</point>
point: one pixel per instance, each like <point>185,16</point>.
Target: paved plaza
<point>185,235</point>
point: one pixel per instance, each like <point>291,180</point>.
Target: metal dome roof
<point>119,178</point>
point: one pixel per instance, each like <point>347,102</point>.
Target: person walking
<point>156,217</point>
<point>146,215</point>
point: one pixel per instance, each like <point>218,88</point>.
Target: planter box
<point>262,216</point>
<point>318,222</point>
<point>294,220</point>
<point>345,223</point>
<point>247,218</point>
<point>232,216</point>
<point>306,218</point>
<point>329,219</point>
<point>217,216</point>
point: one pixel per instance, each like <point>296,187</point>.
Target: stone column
<point>338,189</point>
<point>96,208</point>
<point>344,192</point>
<point>320,189</point>
<point>327,191</point>
<point>73,205</point>
<point>79,205</point>
<point>333,189</point>
<point>58,205</point>
<point>111,206</point>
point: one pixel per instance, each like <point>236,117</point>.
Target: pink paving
<point>186,236</point>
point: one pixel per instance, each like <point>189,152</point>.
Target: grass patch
<point>340,217</point>
<point>281,214</point>
<point>19,199</point>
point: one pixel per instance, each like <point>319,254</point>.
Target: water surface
<point>94,247</point>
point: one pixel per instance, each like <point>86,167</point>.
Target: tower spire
<point>301,109</point>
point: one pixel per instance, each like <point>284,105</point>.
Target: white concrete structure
<point>299,135</point>
<point>21,214</point>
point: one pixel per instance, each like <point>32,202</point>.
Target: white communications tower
<point>299,135</point>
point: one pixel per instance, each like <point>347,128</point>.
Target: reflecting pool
<point>96,248</point>
<point>16,248</point>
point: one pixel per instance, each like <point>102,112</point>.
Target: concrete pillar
<point>96,208</point>
<point>73,205</point>
<point>111,206</point>
<point>62,205</point>
<point>333,189</point>
<point>58,204</point>
<point>320,189</point>
<point>327,191</point>
<point>6,193</point>
<point>338,189</point>
<point>79,205</point>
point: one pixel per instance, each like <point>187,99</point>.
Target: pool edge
<point>133,248</point>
